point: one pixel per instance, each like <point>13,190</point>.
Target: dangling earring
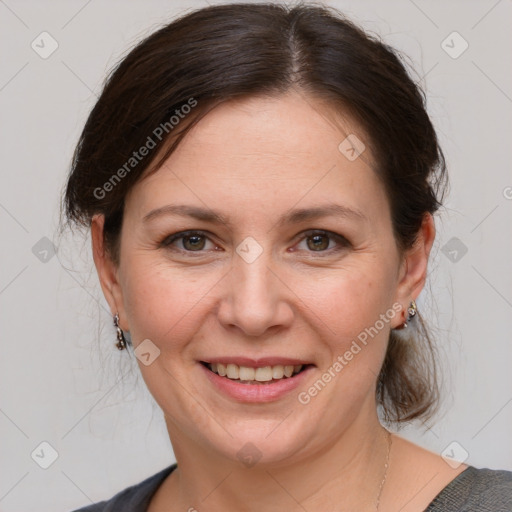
<point>121,342</point>
<point>411,312</point>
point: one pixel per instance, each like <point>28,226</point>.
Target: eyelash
<point>341,240</point>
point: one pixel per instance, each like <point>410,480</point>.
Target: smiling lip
<point>257,363</point>
<point>260,392</point>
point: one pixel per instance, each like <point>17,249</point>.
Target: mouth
<point>261,375</point>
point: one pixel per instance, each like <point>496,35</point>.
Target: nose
<point>256,298</point>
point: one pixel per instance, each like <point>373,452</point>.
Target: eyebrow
<point>292,217</point>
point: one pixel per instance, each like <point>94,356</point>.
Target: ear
<point>413,270</point>
<point>107,272</point>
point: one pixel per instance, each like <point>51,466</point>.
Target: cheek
<point>166,304</point>
<point>162,302</point>
<point>350,300</point>
<point>352,306</point>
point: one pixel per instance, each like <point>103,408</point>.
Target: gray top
<point>473,490</point>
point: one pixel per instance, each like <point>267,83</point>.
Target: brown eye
<point>193,243</point>
<point>188,241</point>
<point>318,242</point>
<point>327,242</point>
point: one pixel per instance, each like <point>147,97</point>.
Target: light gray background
<point>62,379</point>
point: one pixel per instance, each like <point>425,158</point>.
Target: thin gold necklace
<point>386,465</point>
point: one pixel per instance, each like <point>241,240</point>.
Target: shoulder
<point>135,498</point>
<point>476,490</point>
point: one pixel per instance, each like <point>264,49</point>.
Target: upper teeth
<point>263,374</point>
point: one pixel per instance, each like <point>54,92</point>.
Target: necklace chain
<point>386,465</point>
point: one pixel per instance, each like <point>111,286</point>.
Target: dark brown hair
<point>224,52</point>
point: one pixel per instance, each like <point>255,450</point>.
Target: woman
<point>260,184</point>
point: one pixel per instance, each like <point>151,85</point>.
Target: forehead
<point>265,154</point>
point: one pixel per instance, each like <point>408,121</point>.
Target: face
<point>278,251</point>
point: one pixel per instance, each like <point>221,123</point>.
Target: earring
<point>412,309</point>
<point>411,312</point>
<point>121,342</point>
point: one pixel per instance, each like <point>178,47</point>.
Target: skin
<point>254,160</point>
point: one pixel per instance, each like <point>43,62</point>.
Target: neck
<point>347,474</point>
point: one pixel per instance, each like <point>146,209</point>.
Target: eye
<point>317,241</point>
<point>324,241</point>
<point>190,241</point>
